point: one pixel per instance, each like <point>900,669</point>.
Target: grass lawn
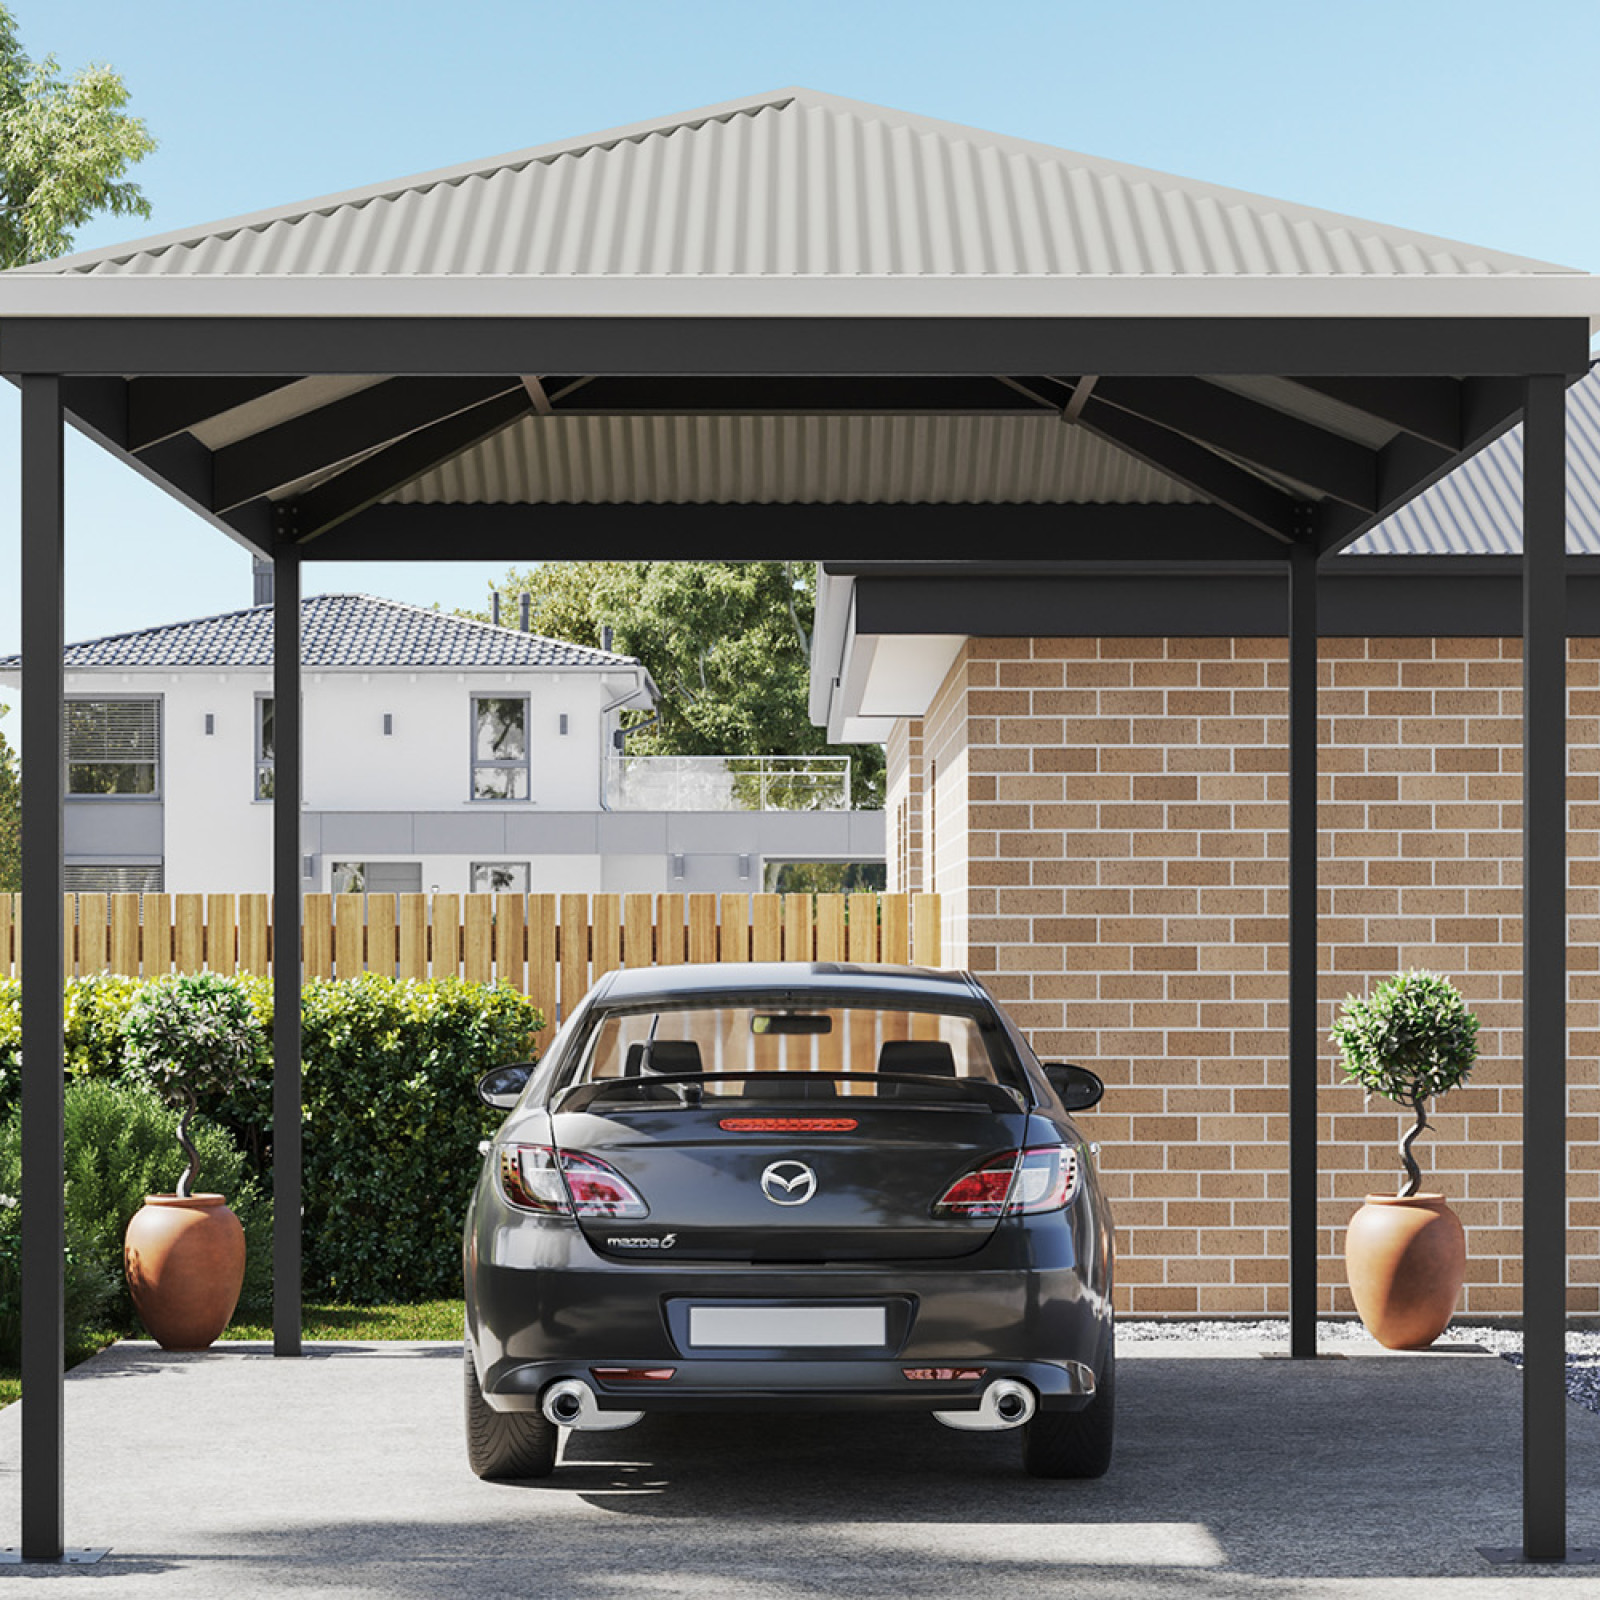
<point>432,1319</point>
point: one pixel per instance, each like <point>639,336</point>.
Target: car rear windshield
<point>755,1047</point>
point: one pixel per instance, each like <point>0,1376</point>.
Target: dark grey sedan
<point>789,1187</point>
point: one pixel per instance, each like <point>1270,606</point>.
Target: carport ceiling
<point>807,304</point>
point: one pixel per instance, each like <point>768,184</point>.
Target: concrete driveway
<point>343,1475</point>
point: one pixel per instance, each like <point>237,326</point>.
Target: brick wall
<point>1111,841</point>
<point>904,777</point>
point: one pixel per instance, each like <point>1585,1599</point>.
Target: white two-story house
<point>440,754</point>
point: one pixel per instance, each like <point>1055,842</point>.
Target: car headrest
<point>787,1086</point>
<point>673,1055</point>
<point>932,1058</point>
<point>633,1062</point>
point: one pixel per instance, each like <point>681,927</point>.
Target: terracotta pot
<point>185,1264</point>
<point>1405,1258</point>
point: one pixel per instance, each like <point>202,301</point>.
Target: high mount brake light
<point>566,1183</point>
<point>1043,1177</point>
<point>787,1124</point>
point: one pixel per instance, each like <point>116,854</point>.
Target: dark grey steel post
<point>1544,970</point>
<point>286,907</point>
<point>43,1221</point>
<point>1303,953</point>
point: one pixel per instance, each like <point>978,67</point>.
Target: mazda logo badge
<point>788,1183</point>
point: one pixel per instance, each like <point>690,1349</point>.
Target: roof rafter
<point>159,407</point>
<point>1242,493</point>
<point>368,481</point>
<point>1429,408</point>
<point>1251,431</point>
<point>342,429</point>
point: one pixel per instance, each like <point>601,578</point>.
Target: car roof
<point>637,985</point>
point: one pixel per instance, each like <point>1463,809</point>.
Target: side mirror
<point>1077,1086</point>
<point>502,1087</point>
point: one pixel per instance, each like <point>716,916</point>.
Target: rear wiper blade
<point>686,1089</point>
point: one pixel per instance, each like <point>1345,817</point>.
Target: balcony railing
<point>728,783</point>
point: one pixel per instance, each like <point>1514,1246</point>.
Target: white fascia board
<point>830,625</point>
<point>1261,297</point>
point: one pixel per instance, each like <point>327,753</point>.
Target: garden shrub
<point>392,1119</point>
<point>120,1146</point>
<point>392,1124</point>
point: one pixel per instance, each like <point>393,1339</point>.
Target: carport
<point>801,324</point>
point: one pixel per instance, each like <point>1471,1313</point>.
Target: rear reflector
<point>944,1374</point>
<point>633,1374</point>
<point>787,1124</point>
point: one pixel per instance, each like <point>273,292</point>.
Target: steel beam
<point>43,1129</point>
<point>286,921</point>
<point>1303,951</point>
<point>601,346</point>
<point>1137,534</point>
<point>1544,971</point>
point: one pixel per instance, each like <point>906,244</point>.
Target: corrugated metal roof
<point>336,630</point>
<point>796,183</point>
<point>793,459</point>
<point>1477,509</point>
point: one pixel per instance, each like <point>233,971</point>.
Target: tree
<point>65,144</point>
<point>10,816</point>
<point>727,642</point>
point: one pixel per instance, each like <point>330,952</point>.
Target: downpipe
<point>1006,1403</point>
<point>571,1403</point>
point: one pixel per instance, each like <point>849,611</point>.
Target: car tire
<point>505,1444</point>
<point>1075,1444</point>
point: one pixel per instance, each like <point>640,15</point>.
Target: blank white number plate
<point>788,1327</point>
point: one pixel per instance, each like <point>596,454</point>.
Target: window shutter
<point>113,730</point>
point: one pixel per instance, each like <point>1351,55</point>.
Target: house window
<point>266,747</point>
<point>111,877</point>
<point>499,747</point>
<point>376,877</point>
<point>498,877</point>
<point>113,747</point>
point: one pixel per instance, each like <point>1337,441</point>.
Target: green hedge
<point>391,1120</point>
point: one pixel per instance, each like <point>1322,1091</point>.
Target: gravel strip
<point>1583,1349</point>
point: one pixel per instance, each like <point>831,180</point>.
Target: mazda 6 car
<point>789,1187</point>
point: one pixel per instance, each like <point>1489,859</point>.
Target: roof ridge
<point>434,613</point>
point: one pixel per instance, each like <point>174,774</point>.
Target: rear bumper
<point>1033,1303</point>
<point>699,1385</point>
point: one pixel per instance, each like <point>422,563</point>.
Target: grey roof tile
<point>336,630</point>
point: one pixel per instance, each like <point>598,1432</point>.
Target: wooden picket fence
<point>550,946</point>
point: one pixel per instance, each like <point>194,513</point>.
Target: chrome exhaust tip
<point>571,1403</point>
<point>1006,1403</point>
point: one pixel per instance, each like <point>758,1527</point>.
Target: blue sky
<point>1469,119</point>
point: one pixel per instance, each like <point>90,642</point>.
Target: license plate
<point>786,1327</point>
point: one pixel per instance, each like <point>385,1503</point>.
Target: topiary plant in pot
<point>1412,1040</point>
<point>184,1253</point>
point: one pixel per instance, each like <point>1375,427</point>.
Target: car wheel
<point>505,1444</point>
<point>1074,1444</point>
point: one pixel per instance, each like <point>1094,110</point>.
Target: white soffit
<point>903,674</point>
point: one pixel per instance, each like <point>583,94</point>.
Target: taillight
<point>1016,1183</point>
<point>566,1183</point>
